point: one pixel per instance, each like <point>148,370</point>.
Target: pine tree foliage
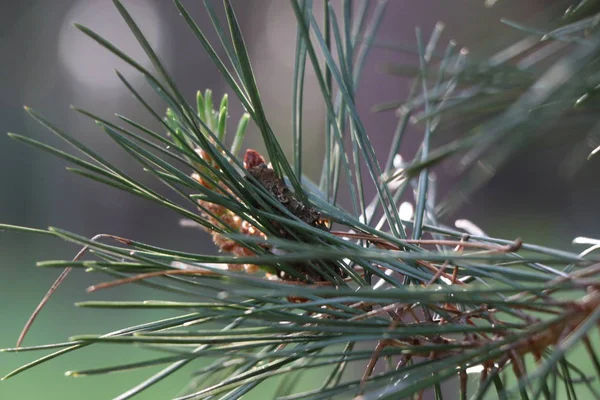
<point>388,307</point>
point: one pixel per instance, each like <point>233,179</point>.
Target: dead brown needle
<point>141,277</point>
<point>58,281</point>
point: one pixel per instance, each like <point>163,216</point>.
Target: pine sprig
<point>407,302</point>
<point>524,89</point>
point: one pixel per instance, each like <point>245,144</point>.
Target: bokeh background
<point>49,65</point>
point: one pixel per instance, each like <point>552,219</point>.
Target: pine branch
<point>390,306</point>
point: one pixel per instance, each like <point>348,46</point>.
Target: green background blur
<point>48,65</point>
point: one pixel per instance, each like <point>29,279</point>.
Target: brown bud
<point>252,159</point>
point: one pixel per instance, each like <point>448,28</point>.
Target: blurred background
<point>49,65</point>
